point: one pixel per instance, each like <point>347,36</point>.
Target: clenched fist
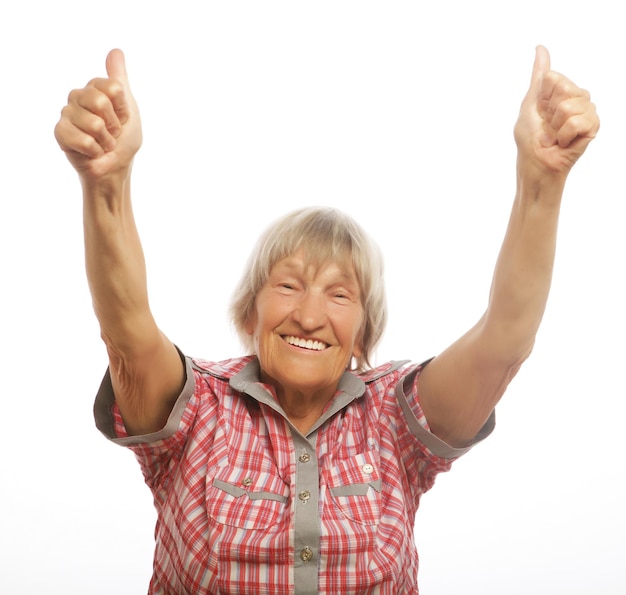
<point>100,127</point>
<point>557,122</point>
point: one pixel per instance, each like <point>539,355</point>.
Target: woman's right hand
<point>100,127</point>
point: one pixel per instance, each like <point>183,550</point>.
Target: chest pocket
<point>247,499</point>
<point>355,487</point>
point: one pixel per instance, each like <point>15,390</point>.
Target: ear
<point>357,348</point>
<point>250,323</point>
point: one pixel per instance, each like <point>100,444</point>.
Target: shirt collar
<point>248,381</point>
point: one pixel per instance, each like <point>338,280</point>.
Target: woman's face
<point>307,324</point>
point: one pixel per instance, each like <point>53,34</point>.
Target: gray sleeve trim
<point>437,446</point>
<point>105,399</point>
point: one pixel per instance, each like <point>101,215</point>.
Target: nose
<point>310,312</point>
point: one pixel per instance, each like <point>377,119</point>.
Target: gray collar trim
<point>248,381</point>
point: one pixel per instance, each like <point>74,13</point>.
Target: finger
<point>557,88</point>
<point>116,71</point>
<point>568,108</point>
<point>94,126</point>
<point>96,99</point>
<point>579,128</point>
<point>73,140</point>
<point>116,66</point>
<point>541,67</point>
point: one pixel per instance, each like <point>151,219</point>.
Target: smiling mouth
<point>310,344</point>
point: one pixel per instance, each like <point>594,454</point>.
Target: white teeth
<point>306,343</point>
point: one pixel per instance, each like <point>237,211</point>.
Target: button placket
<point>306,511</point>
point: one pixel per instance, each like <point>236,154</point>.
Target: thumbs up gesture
<point>100,127</point>
<point>557,122</point>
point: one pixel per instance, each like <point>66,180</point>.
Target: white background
<point>401,114</point>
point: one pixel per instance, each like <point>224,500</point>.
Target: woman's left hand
<point>557,121</point>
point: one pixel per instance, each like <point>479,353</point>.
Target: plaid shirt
<point>248,505</point>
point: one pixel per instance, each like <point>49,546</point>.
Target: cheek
<point>260,330</point>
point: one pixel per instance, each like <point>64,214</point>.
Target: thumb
<point>116,70</point>
<point>540,67</point>
<point>116,66</point>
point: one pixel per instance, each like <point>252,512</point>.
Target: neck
<point>302,408</point>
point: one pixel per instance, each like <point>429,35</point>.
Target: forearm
<point>115,264</point>
<point>523,272</point>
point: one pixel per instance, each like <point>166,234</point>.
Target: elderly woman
<point>299,469</point>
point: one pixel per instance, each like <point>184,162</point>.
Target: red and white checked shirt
<point>248,505</point>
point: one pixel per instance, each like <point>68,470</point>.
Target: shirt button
<point>369,469</point>
<point>304,496</point>
<point>247,482</point>
<point>305,457</point>
<point>306,554</point>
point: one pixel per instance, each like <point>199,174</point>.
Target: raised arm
<point>100,132</point>
<point>461,386</point>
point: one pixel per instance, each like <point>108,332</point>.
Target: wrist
<point>539,184</point>
<point>113,183</point>
<point>107,194</point>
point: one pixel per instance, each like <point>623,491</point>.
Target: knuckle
<point>109,88</point>
<point>75,95</point>
<point>62,129</point>
<point>567,107</point>
<point>66,112</point>
<point>98,127</point>
<point>101,102</point>
<point>87,145</point>
<point>59,131</point>
<point>95,82</point>
<point>115,88</point>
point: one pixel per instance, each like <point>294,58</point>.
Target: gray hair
<point>326,235</point>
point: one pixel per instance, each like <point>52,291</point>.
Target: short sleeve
<point>408,398</point>
<point>157,452</point>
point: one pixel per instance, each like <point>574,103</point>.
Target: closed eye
<point>342,295</point>
<point>287,287</point>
